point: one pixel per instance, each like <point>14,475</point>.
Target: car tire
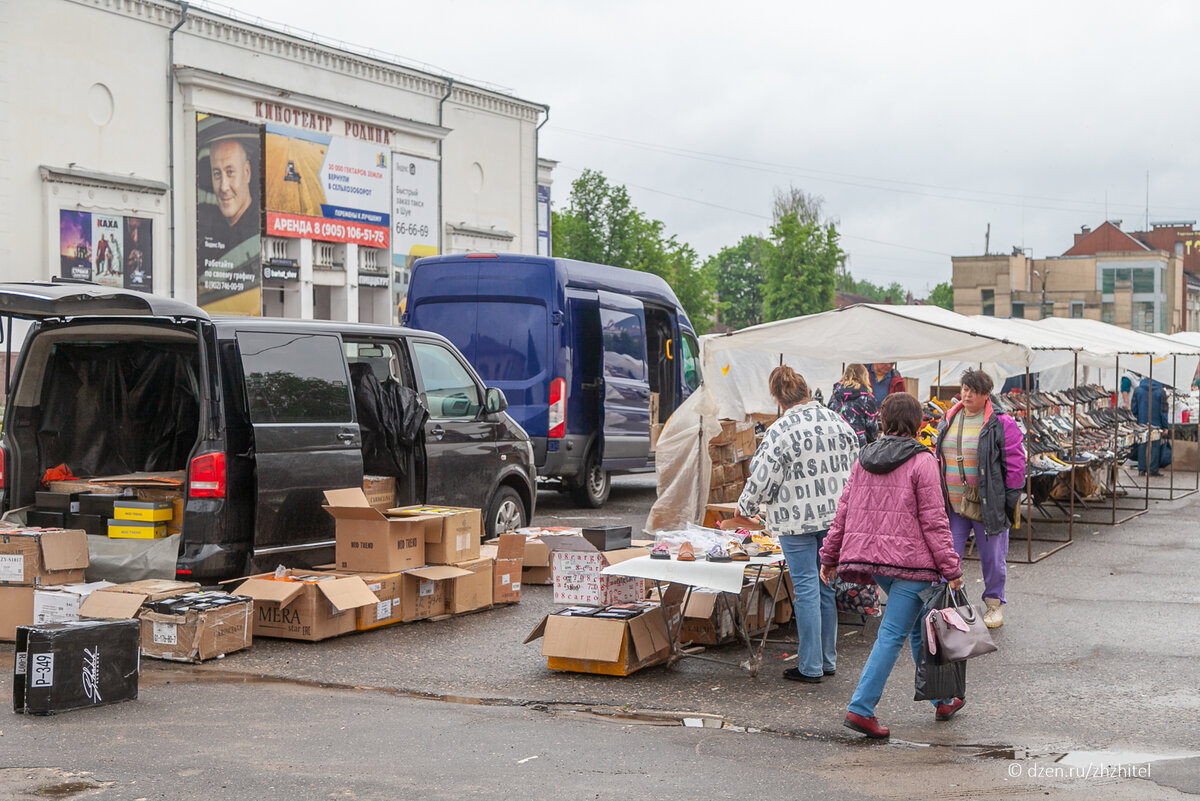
<point>591,489</point>
<point>506,512</point>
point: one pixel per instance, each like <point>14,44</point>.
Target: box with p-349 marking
<point>64,666</point>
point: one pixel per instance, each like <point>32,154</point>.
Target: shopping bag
<point>934,682</point>
<point>1164,454</point>
<point>862,599</point>
<point>955,629</point>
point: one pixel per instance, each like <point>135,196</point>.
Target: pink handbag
<point>957,632</point>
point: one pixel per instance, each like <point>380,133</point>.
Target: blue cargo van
<point>579,350</point>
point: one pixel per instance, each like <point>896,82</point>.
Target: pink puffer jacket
<point>892,523</point>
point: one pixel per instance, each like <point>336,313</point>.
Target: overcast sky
<point>918,123</point>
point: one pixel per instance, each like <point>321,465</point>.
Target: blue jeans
<point>901,621</point>
<point>816,614</point>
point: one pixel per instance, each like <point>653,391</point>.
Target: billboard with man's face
<point>228,215</point>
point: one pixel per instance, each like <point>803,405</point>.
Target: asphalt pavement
<point>1098,667</point>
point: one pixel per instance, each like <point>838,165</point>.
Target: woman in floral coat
<point>853,400</point>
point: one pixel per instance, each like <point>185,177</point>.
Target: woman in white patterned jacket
<point>795,481</point>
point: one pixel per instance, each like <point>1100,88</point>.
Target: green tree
<point>739,276</point>
<point>600,224</point>
<point>942,295</point>
<point>799,266</point>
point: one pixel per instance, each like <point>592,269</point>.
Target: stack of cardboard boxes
<point>32,560</point>
<point>395,566</point>
<point>730,451</point>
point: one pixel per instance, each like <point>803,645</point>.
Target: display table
<point>725,577</point>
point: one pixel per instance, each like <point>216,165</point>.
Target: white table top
<point>722,576</point>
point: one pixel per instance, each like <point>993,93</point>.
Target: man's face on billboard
<point>231,179</point>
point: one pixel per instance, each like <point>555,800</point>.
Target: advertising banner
<point>543,217</point>
<point>228,215</point>
<point>326,187</point>
<point>414,208</point>
<point>109,249</point>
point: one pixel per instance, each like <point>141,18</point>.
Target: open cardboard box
<point>508,552</point>
<point>452,533</point>
<point>605,646</point>
<point>305,610</point>
<point>43,557</point>
<point>367,540</point>
<point>197,635</point>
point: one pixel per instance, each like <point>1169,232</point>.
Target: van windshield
<point>504,341</point>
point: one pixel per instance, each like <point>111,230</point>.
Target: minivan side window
<point>449,389</point>
<point>624,344</point>
<point>691,361</point>
<point>295,378</point>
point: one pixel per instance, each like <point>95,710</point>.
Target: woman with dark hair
<point>853,400</point>
<point>982,453</point>
<point>891,527</point>
<point>795,478</point>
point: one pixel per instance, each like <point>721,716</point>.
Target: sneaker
<point>793,674</point>
<point>868,726</point>
<point>993,616</point>
<point>946,711</point>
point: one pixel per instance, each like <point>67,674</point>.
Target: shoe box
<point>61,667</point>
<point>196,626</point>
<point>579,579</point>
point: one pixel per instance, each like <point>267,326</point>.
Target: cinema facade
<point>174,150</point>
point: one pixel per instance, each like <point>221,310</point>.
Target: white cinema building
<point>168,148</point>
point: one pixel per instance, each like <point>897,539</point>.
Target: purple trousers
<point>993,553</point>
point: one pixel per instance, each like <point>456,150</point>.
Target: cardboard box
<point>61,604</point>
<point>136,529</point>
<point>320,607</point>
<point>380,492</point>
<point>537,563</point>
<point>656,430</point>
<point>707,619</point>
<point>743,442</point>
<point>605,646</point>
<point>473,591</point>
<point>455,539</point>
<point>367,540</point>
<point>913,387</point>
<point>765,420</point>
<point>16,609</point>
<point>654,408</point>
<point>40,558</point>
<point>155,589</point>
<point>102,605</point>
<point>728,428</point>
<point>190,634</point>
<point>64,666</point>
<point>388,589</point>
<point>426,591</point>
<point>577,578</point>
<point>721,454</point>
<point>164,495</point>
<point>509,556</point>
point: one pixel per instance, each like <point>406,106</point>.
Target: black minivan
<point>262,415</point>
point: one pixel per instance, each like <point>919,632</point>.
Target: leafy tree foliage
<point>739,277</point>
<point>600,224</point>
<point>801,259</point>
<point>942,295</point>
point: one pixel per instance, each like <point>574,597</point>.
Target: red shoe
<point>868,726</point>
<point>946,711</point>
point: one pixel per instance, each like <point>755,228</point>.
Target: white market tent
<point>736,366</point>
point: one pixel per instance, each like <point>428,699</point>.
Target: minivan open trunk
<point>104,400</point>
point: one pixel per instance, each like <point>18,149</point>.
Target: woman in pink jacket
<point>891,527</point>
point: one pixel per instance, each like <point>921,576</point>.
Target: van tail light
<point>206,476</point>
<point>2,468</point>
<point>558,408</point>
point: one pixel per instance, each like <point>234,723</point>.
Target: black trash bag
<point>391,419</point>
<point>934,682</point>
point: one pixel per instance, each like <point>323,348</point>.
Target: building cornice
<point>462,229</point>
<point>192,77</point>
<point>104,180</point>
<point>206,24</point>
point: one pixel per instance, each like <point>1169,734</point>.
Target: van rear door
<point>626,398</point>
<point>306,439</point>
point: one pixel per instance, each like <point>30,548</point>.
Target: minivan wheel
<point>592,488</point>
<point>506,512</point>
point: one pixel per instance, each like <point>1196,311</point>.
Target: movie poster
<point>139,254</point>
<point>228,215</point>
<point>108,250</point>
<point>75,245</point>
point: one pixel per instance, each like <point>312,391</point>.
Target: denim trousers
<point>993,553</point>
<point>1155,456</point>
<point>901,621</point>
<point>816,614</point>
